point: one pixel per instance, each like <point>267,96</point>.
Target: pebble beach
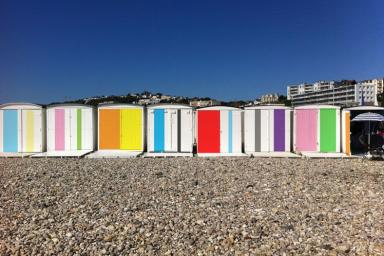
<point>191,206</point>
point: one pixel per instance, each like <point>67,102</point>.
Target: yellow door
<point>131,129</point>
<point>30,136</point>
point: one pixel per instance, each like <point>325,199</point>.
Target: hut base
<point>70,153</point>
<point>323,155</point>
<point>168,154</point>
<point>273,154</point>
<point>15,154</point>
<point>114,154</point>
<point>219,154</point>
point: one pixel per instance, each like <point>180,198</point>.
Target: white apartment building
<point>343,95</point>
<point>378,82</point>
<point>303,88</point>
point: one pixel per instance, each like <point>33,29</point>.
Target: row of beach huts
<point>124,130</point>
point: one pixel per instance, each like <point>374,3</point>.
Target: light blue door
<point>159,130</point>
<point>230,131</point>
<point>10,131</point>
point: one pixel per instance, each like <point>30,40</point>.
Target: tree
<point>283,100</point>
<point>380,99</point>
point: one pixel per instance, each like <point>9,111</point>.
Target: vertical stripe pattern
<point>131,129</point>
<point>159,130</point>
<point>230,131</point>
<point>10,130</point>
<point>348,133</point>
<point>306,130</point>
<point>1,131</point>
<point>257,130</point>
<point>208,129</point>
<point>59,129</point>
<point>279,129</point>
<point>79,128</point>
<point>109,129</point>
<point>30,130</point>
<point>328,130</point>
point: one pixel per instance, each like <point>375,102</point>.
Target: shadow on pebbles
<point>191,206</point>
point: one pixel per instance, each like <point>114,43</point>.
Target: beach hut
<point>267,130</point>
<point>352,131</point>
<point>120,130</point>
<point>22,130</point>
<point>317,130</point>
<point>70,130</point>
<point>219,131</point>
<point>169,130</point>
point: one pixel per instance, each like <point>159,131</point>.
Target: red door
<point>208,137</point>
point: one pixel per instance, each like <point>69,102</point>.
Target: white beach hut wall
<point>22,129</point>
<point>219,131</point>
<point>71,130</point>
<point>121,131</point>
<point>169,130</point>
<point>267,129</point>
<point>317,129</point>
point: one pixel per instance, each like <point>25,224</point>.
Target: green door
<point>327,130</point>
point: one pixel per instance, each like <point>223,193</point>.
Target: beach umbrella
<point>368,117</point>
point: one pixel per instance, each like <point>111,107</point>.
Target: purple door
<point>279,129</point>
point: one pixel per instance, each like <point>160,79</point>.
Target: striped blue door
<point>10,131</point>
<point>230,131</point>
<point>159,130</point>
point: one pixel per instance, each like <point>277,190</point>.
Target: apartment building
<point>303,88</point>
<point>337,94</point>
<point>378,82</point>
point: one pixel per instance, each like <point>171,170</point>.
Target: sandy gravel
<point>232,206</point>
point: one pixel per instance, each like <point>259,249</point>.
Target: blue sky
<point>62,50</point>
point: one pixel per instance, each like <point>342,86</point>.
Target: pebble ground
<point>191,206</point>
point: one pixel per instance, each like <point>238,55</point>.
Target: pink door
<point>59,129</point>
<point>306,130</point>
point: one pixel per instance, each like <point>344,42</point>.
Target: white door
<point>150,131</point>
<point>73,128</point>
<point>170,130</point>
<point>236,131</point>
<point>87,129</point>
<point>249,130</point>
<point>67,129</point>
<point>19,131</point>
<point>288,114</point>
<point>224,133</point>
<point>271,130</point>
<point>186,130</point>
<point>264,130</point>
<point>50,129</point>
<point>1,131</point>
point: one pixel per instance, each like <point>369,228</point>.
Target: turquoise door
<point>159,130</point>
<point>10,132</point>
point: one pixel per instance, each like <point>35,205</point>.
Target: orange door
<point>109,128</point>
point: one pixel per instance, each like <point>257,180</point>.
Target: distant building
<point>269,98</point>
<point>165,97</point>
<point>148,101</point>
<point>293,90</point>
<point>342,95</point>
<point>203,103</point>
<point>378,82</point>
